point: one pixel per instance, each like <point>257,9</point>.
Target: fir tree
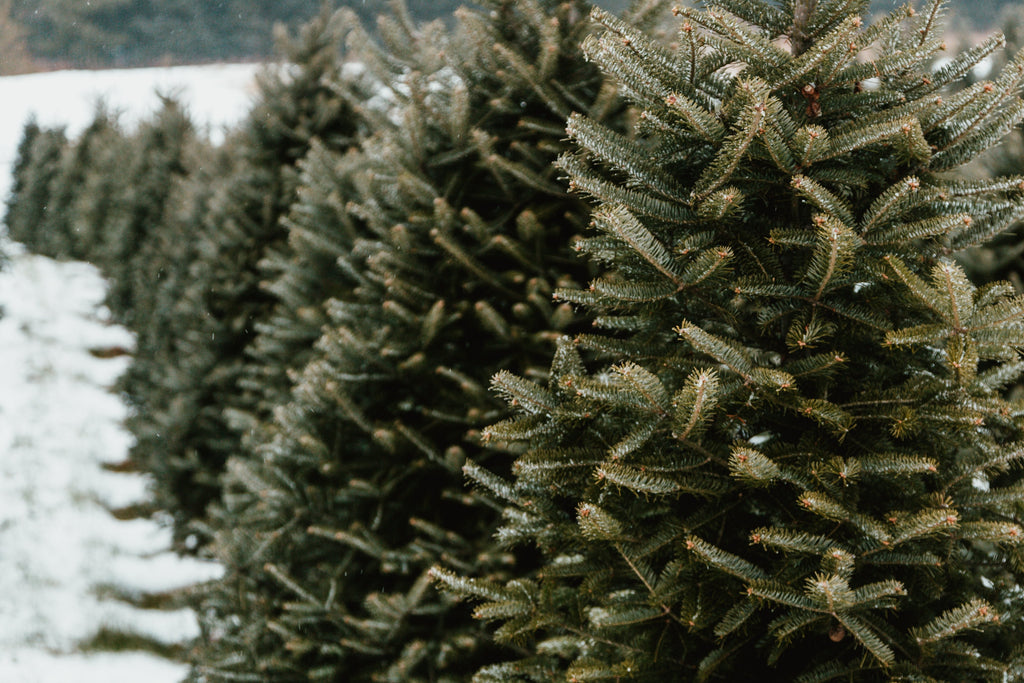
<point>300,277</point>
<point>89,191</point>
<point>180,246</point>
<point>68,200</point>
<point>16,201</point>
<point>161,379</point>
<point>155,163</point>
<point>35,168</point>
<point>450,231</point>
<point>182,434</point>
<point>796,460</point>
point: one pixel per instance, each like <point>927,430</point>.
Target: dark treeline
<point>139,32</point>
<point>106,33</point>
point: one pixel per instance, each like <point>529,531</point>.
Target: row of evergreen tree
<point>758,420</point>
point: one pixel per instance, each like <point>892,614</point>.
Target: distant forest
<point>141,32</point>
<point>104,33</point>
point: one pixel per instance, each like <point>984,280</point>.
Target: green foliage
<point>1000,258</point>
<point>36,166</point>
<point>420,262</point>
<point>210,293</point>
<point>795,456</point>
<point>66,202</point>
<point>130,235</point>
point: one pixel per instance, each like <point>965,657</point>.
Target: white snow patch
<point>759,439</point>
<point>36,666</point>
<point>59,421</point>
<point>982,69</point>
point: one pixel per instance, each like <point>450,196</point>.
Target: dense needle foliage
<point>428,257</point>
<point>795,460</point>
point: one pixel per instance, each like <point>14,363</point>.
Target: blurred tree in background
<point>108,33</point>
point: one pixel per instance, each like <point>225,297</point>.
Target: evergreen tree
<point>19,173</point>
<point>451,232</point>
<point>155,164</point>
<point>94,192</point>
<point>96,153</point>
<point>69,200</point>
<point>35,168</point>
<point>181,433</point>
<point>159,381</point>
<point>795,459</point>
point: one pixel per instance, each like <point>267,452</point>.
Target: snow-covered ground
<point>59,422</point>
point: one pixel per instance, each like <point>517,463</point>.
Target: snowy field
<point>59,423</point>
